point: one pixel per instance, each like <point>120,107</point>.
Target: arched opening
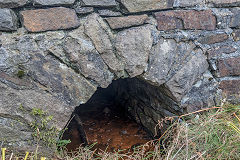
<point>121,116</point>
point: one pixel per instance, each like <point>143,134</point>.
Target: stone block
<point>100,34</point>
<point>182,82</point>
<point>100,3</point>
<point>53,2</point>
<point>147,5</point>
<point>166,58</point>
<point>218,51</point>
<point>229,66</point>
<point>108,13</point>
<point>224,3</point>
<point>187,3</point>
<point>215,38</point>
<point>133,45</point>
<point>128,21</point>
<point>84,10</point>
<point>8,20</point>
<point>49,19</point>
<point>12,3</point>
<point>230,86</point>
<point>235,23</point>
<point>186,19</point>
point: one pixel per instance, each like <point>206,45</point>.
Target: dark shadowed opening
<point>121,116</point>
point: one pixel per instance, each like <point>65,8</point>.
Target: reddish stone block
<point>229,67</point>
<point>186,19</point>
<point>230,86</point>
<point>49,19</point>
<point>211,39</point>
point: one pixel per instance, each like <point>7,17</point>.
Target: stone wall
<point>54,54</point>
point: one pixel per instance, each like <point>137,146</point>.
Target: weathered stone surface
<point>98,31</point>
<point>33,79</point>
<point>222,3</point>
<point>134,45</point>
<point>146,5</point>
<point>84,56</point>
<point>108,13</point>
<point>187,3</point>
<point>84,10</point>
<point>53,2</point>
<point>186,19</point>
<point>12,3</point>
<point>218,51</point>
<point>8,20</point>
<point>10,129</point>
<point>234,23</point>
<point>100,3</point>
<point>202,95</point>
<point>215,38</point>
<point>229,66</point>
<point>49,19</point>
<point>166,58</point>
<point>124,22</point>
<point>236,35</point>
<point>230,87</point>
<point>183,80</point>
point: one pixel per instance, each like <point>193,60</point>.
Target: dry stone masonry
<point>183,55</point>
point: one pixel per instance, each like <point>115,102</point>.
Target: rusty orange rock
<point>49,19</point>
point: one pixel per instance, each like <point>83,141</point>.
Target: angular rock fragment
<point>134,45</point>
<point>88,61</point>
<point>8,20</point>
<point>183,80</point>
<point>101,36</point>
<point>167,57</point>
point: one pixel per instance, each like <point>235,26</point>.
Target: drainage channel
<point>121,116</point>
<point>108,129</point>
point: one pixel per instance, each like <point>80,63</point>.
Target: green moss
<point>38,112</point>
<point>43,131</point>
<point>20,73</point>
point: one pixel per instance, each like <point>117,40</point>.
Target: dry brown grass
<point>212,133</point>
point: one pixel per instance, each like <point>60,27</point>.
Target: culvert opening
<point>121,116</point>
